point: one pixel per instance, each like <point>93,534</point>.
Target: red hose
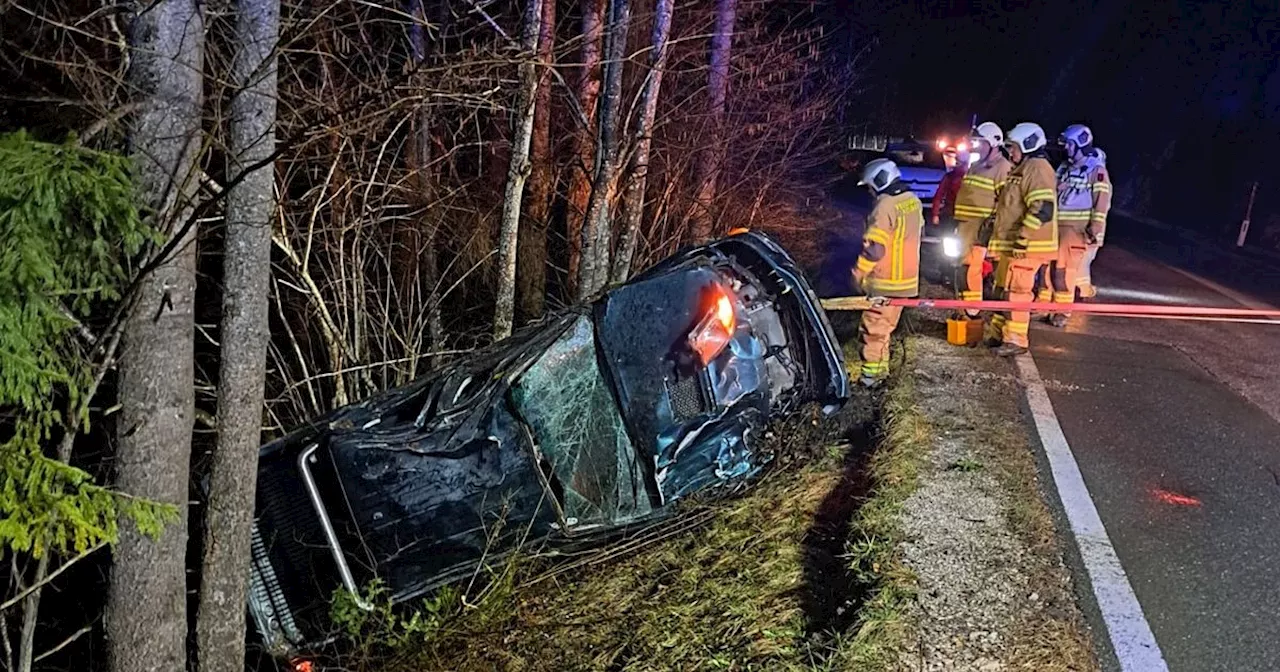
<point>1123,309</point>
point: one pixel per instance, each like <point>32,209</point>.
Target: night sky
<point>1183,96</point>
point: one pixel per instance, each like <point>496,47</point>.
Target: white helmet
<point>879,174</point>
<point>1027,136</point>
<point>989,131</point>
<point>1078,134</point>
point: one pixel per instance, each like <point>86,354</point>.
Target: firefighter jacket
<point>890,259</point>
<point>1026,210</point>
<point>944,199</point>
<point>976,199</point>
<point>1084,193</point>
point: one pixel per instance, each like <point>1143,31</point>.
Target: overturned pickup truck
<point>586,423</point>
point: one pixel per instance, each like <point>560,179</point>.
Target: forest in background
<point>222,219</point>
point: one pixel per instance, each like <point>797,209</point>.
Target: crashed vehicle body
<point>589,422</point>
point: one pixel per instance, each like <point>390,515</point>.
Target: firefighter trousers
<point>968,278</point>
<point>1084,279</point>
<point>877,325</point>
<point>1016,281</point>
<point>1065,269</point>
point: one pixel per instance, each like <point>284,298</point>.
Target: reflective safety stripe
<point>875,369</point>
<point>1043,245</point>
<point>973,211</point>
<point>1101,187</point>
<point>1031,222</point>
<point>998,319</point>
<point>979,182</point>
<point>1039,195</point>
<point>1000,246</point>
<point>866,265</point>
<point>1074,215</point>
<point>1044,295</point>
<point>899,232</point>
<point>1017,327</point>
<point>877,236</point>
<point>1098,217</point>
<point>894,285</point>
<point>1064,297</point>
<point>971,295</point>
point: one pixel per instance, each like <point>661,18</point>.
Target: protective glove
<point>985,231</point>
<point>1089,234</point>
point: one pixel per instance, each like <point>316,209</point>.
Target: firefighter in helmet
<point>975,204</point>
<point>1025,232</point>
<point>889,265</point>
<point>1084,197</point>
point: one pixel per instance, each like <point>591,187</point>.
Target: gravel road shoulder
<point>992,592</point>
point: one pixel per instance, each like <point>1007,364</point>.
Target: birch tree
<point>531,271</point>
<point>146,615</point>
<point>712,155</point>
<point>244,336</point>
<point>517,172</point>
<point>637,178</point>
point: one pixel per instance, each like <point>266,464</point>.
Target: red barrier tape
<point>1117,309</point>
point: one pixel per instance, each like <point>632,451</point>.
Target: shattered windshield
<point>578,430</point>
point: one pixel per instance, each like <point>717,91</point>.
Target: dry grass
<point>1054,638</point>
<point>877,531</point>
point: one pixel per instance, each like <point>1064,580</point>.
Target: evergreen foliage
<point>68,221</point>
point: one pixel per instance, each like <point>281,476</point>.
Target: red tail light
<point>714,331</point>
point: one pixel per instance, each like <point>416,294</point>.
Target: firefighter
<point>942,208</point>
<point>975,203</point>
<point>1026,232</point>
<point>889,265</point>
<point>1082,179</point>
<point>1100,188</point>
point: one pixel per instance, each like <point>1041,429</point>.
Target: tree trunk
<point>707,171</point>
<point>582,162</point>
<point>423,265</point>
<point>634,192</point>
<point>146,619</point>
<point>596,230</point>
<point>246,279</point>
<point>517,172</point>
<point>531,271</point>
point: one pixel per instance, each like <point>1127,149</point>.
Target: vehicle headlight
<point>951,247</point>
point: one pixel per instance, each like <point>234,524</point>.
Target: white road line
<point>1240,298</point>
<point>1131,638</point>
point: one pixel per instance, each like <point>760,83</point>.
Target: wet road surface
<point>1176,429</point>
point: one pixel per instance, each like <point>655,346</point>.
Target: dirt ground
<point>992,592</point>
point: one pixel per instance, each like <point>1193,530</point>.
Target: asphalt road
<point>1176,429</point>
